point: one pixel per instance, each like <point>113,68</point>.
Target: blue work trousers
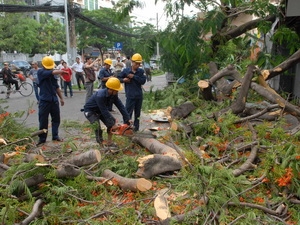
<point>134,105</point>
<point>46,109</point>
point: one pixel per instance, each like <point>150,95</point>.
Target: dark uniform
<point>96,108</point>
<point>48,103</point>
<point>134,93</point>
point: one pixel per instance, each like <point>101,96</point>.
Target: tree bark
<point>156,147</point>
<point>182,111</point>
<point>155,164</point>
<point>164,158</point>
<point>86,158</point>
<point>139,184</point>
<point>282,67</point>
<point>36,212</point>
<point>239,105</point>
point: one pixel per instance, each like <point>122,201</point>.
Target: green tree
<point>91,35</point>
<point>52,36</point>
<point>19,33</point>
<point>183,47</point>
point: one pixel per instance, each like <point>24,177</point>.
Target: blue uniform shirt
<point>134,88</point>
<point>99,102</point>
<point>104,73</point>
<point>48,85</point>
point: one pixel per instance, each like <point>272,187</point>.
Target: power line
<point>42,8</point>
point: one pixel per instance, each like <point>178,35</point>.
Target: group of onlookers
<point>99,105</point>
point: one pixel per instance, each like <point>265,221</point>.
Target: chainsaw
<point>127,131</point>
<point>123,130</point>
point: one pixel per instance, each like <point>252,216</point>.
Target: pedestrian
<point>49,103</point>
<point>96,109</point>
<point>59,67</point>
<point>8,78</point>
<point>89,69</point>
<point>128,62</point>
<point>147,69</point>
<point>119,66</point>
<point>33,76</point>
<point>134,78</point>
<point>77,67</point>
<point>67,78</point>
<point>104,75</point>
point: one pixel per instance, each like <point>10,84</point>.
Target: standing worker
<point>134,78</point>
<point>105,72</point>
<point>49,103</point>
<point>33,76</point>
<point>77,67</point>
<point>104,75</point>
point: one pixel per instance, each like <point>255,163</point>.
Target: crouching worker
<point>97,108</point>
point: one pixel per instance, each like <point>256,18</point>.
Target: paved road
<point>71,110</point>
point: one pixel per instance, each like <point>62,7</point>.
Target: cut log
<point>181,126</point>
<point>32,157</point>
<point>43,131</point>
<point>156,147</point>
<point>3,141</point>
<point>4,158</point>
<point>86,158</point>
<point>182,111</point>
<point>132,184</point>
<point>152,165</point>
<point>67,171</point>
<point>161,205</point>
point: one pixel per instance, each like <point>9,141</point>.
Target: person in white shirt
<point>77,67</point>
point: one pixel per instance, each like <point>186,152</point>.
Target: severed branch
<point>255,206</point>
<point>265,110</point>
<point>36,212</point>
<point>249,162</point>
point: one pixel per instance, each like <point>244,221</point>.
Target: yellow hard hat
<point>108,61</point>
<point>48,62</point>
<point>137,58</point>
<point>114,84</point>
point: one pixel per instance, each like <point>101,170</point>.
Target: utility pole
<point>73,46</point>
<point>70,33</point>
<point>157,44</point>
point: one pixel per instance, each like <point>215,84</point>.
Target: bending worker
<point>97,108</point>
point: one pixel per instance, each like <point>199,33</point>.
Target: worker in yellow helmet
<point>48,99</point>
<point>96,109</point>
<point>104,74</point>
<point>133,78</point>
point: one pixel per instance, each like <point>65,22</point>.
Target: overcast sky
<point>149,12</point>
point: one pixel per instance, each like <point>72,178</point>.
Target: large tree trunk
<point>164,158</point>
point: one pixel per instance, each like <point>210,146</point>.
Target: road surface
<point>71,110</point>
